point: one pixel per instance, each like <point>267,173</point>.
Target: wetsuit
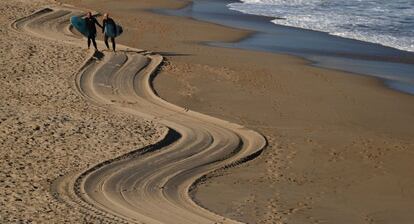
<point>111,22</point>
<point>90,24</point>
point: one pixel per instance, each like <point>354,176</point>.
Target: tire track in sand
<point>153,184</point>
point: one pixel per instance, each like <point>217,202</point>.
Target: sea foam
<point>389,23</point>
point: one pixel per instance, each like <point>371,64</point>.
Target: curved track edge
<point>153,184</point>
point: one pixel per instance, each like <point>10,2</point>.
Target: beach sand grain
<point>46,128</point>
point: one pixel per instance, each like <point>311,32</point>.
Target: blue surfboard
<point>109,30</point>
<point>80,25</point>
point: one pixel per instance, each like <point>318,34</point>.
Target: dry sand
<point>46,128</point>
<point>340,145</point>
<point>145,185</point>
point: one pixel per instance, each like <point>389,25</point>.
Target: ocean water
<point>386,22</point>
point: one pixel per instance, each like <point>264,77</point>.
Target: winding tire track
<point>152,184</point>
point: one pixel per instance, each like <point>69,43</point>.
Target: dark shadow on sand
<point>171,54</point>
<point>98,55</point>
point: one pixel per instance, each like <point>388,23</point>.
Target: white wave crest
<point>389,23</point>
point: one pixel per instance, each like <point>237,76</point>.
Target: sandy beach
<point>339,145</point>
<point>47,129</point>
<point>145,179</point>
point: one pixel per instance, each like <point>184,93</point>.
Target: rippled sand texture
<point>46,128</point>
<point>149,185</point>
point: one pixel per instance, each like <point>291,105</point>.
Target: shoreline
<point>409,90</point>
<point>331,59</point>
<point>229,5</point>
<point>307,29</point>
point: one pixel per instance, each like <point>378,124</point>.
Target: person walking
<point>91,23</point>
<point>109,23</point>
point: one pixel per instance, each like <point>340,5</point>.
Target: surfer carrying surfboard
<point>109,28</point>
<point>90,24</point>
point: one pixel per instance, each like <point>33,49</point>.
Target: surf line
<point>151,184</point>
